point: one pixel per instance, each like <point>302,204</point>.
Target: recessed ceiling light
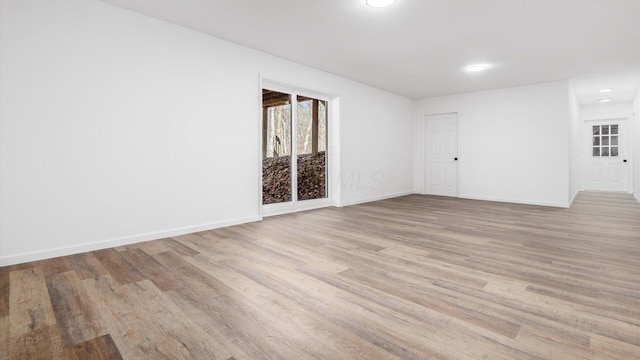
<point>476,68</point>
<point>604,100</point>
<point>607,90</point>
<point>380,3</point>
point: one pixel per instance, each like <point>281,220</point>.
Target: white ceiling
<point>418,48</point>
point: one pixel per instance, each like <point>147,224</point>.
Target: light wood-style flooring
<point>416,277</point>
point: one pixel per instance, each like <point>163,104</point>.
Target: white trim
<point>513,201</point>
<point>260,110</point>
<point>293,153</point>
<point>335,146</point>
<point>606,120</point>
<point>376,198</point>
<point>423,141</point>
<point>127,240</point>
<point>419,185</point>
<point>268,82</point>
<point>637,197</point>
<point>287,208</point>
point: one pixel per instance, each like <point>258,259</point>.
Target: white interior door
<point>441,154</point>
<point>606,156</point>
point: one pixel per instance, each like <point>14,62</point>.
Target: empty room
<point>337,179</point>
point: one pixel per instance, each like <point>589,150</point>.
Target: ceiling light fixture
<point>380,3</point>
<point>604,100</point>
<point>475,68</point>
<point>607,90</point>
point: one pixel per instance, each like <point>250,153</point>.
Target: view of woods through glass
<point>310,141</point>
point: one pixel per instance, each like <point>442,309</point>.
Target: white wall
<point>574,145</point>
<point>513,143</point>
<point>616,110</point>
<point>116,128</point>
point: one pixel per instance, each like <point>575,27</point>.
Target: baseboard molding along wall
<point>377,198</point>
<point>127,240</point>
<point>514,201</point>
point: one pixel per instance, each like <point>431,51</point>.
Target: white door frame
<point>585,145</point>
<point>425,157</point>
<point>300,205</point>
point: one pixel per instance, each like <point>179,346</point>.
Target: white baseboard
<point>281,209</point>
<point>127,240</point>
<point>514,201</point>
<point>377,198</point>
<point>573,198</point>
<point>637,196</point>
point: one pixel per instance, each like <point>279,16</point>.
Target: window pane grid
<point>605,140</point>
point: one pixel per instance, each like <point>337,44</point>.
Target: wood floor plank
<point>134,338</point>
<point>5,288</point>
<point>73,310</point>
<point>5,326</point>
<point>253,338</point>
<point>179,248</point>
<point>332,306</point>
<point>144,323</point>
<point>29,304</point>
<point>190,276</point>
<point>100,348</point>
<point>43,343</point>
<point>163,277</point>
<point>118,266</point>
<point>613,348</point>
<point>542,344</point>
<point>415,277</point>
<point>224,345</point>
<point>282,313</point>
<point>86,265</point>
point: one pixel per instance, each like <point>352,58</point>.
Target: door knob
<point>625,160</point>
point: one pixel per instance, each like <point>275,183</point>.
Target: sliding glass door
<point>294,127</point>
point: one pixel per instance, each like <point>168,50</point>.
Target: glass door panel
<point>311,141</point>
<point>276,147</point>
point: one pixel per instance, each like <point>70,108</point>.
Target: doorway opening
<point>606,156</point>
<point>295,159</point>
<point>441,154</point>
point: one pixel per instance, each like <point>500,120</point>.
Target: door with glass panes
<point>294,151</point>
<point>606,156</point>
